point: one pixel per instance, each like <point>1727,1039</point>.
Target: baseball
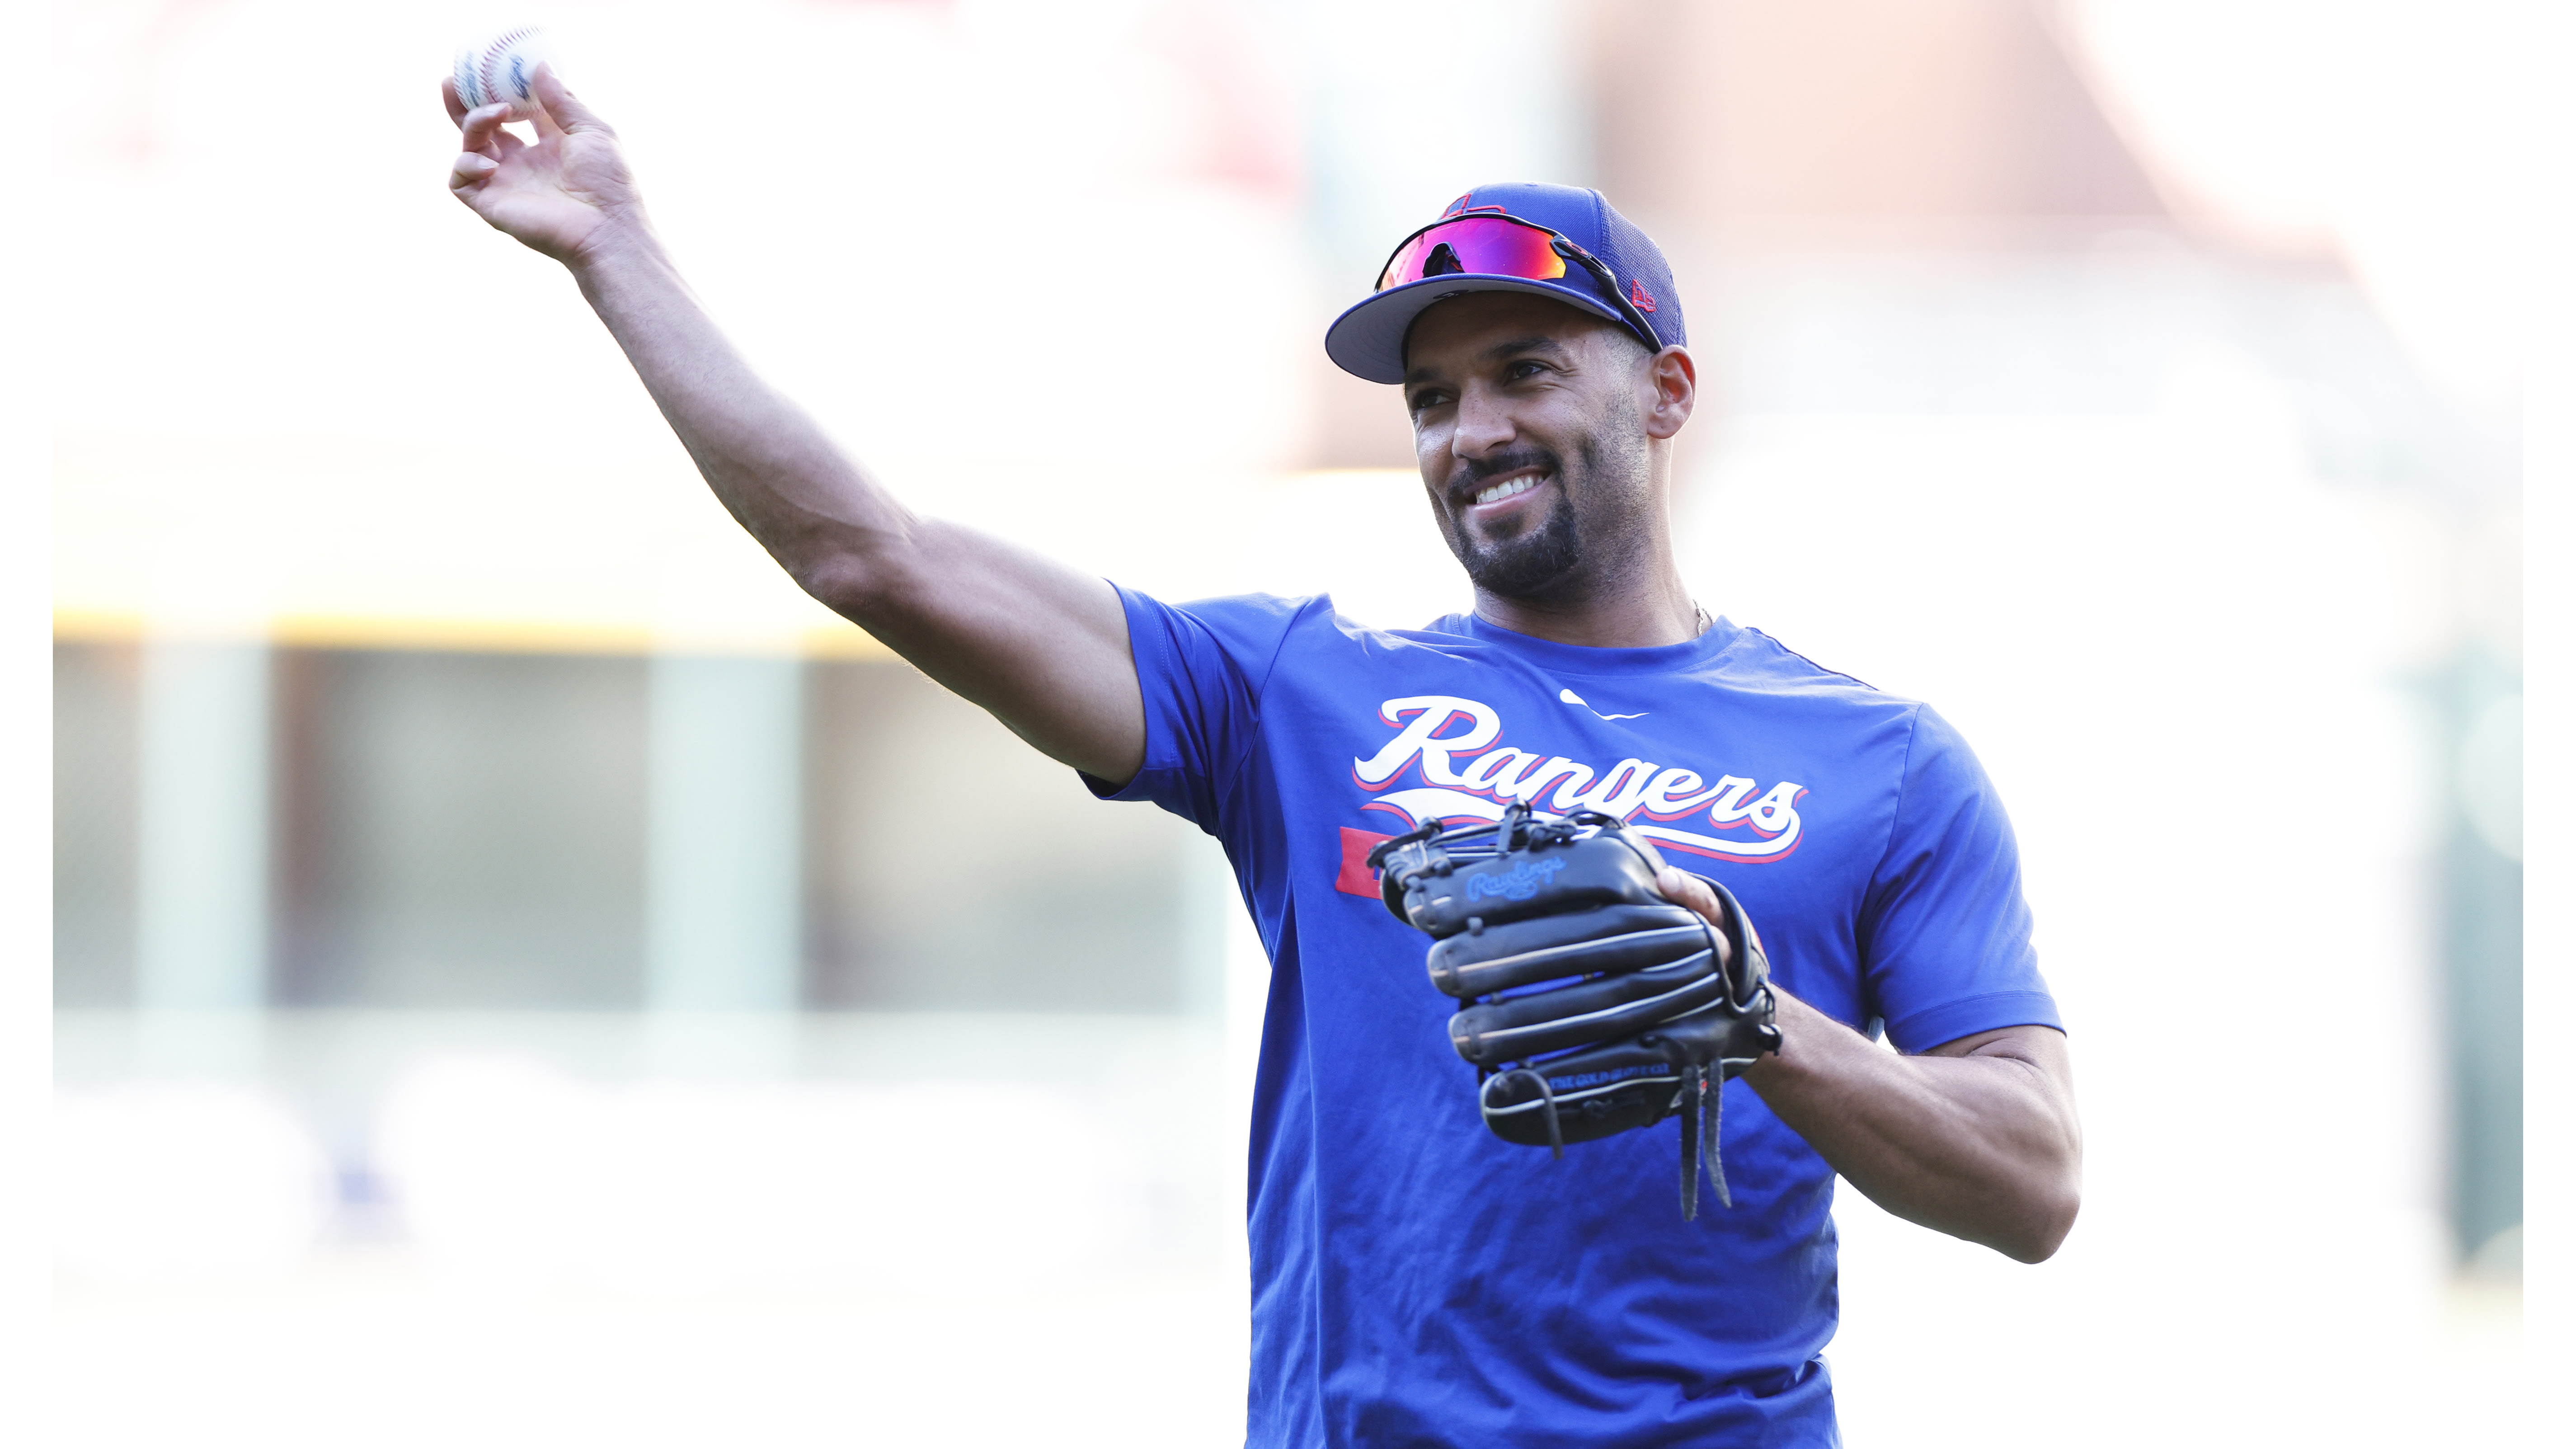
<point>502,68</point>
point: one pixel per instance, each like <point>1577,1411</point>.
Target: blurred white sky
<point>969,241</point>
<point>315,388</point>
<point>2394,133</point>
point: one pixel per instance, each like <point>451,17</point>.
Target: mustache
<point>1472,474</point>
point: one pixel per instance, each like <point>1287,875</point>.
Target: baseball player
<point>1417,1279</point>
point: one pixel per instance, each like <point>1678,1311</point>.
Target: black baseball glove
<point>1588,1002</point>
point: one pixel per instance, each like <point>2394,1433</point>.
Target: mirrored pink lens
<point>1482,244</point>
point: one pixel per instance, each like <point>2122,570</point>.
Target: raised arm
<point>1977,1138</point>
<point>1042,646</point>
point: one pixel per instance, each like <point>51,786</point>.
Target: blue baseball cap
<point>1368,340</point>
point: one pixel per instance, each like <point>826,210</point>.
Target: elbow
<point>841,582</point>
<point>857,586</point>
<point>2045,1222</point>
<point>861,572</point>
<point>2052,1182</point>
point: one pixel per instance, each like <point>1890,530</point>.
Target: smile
<point>1512,487</point>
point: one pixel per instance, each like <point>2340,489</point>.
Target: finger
<point>471,170</point>
<point>1687,890</point>
<point>548,128</point>
<point>455,102</point>
<point>559,107</point>
<point>1684,889</point>
<point>483,123</point>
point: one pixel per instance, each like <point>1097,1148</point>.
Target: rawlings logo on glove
<point>1520,885</point>
<point>1587,1001</point>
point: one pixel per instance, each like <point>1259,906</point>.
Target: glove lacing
<point>1702,1098</point>
<point>1547,1108</point>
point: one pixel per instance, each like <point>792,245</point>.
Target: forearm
<point>817,512</point>
<point>1981,1144</point>
<point>1042,646</point>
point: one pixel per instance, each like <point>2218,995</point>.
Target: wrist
<point>617,244</point>
<point>1807,1036</point>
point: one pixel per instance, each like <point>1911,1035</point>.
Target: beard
<point>1547,563</point>
<point>1532,563</point>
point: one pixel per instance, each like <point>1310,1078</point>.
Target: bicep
<point>1040,645</point>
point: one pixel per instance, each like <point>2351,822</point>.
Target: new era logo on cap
<point>1637,294</point>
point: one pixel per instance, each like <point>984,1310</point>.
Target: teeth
<point>1510,489</point>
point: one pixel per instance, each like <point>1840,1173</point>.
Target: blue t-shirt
<point>1419,1281</point>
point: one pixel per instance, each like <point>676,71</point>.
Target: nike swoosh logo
<point>1570,697</point>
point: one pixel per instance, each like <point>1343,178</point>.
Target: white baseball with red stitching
<point>502,68</point>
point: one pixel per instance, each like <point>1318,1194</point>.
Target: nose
<point>1483,425</point>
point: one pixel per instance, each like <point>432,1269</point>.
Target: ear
<point>1667,389</point>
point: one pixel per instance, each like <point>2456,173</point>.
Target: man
<point>1416,1280</point>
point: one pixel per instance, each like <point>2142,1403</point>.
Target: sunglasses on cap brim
<point>1496,245</point>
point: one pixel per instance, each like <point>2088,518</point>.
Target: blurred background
<point>525,974</point>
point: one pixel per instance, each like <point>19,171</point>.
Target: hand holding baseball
<point>563,195</point>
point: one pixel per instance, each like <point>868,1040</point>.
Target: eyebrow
<point>1536,342</point>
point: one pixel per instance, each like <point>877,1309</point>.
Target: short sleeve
<point>1945,931</point>
<point>1201,667</point>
